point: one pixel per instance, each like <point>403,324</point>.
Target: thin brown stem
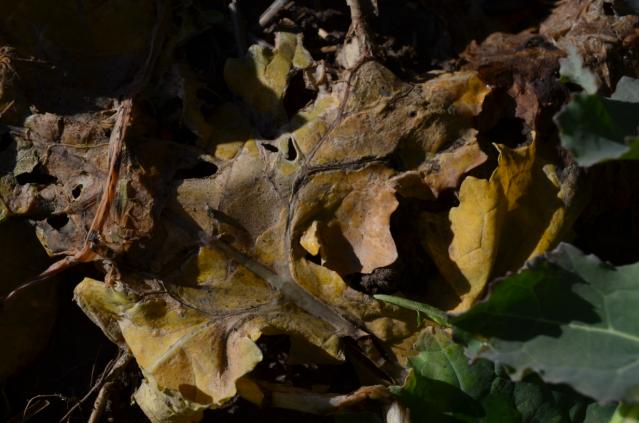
<point>358,45</point>
<point>108,383</point>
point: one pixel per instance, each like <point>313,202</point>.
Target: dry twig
<point>109,382</point>
<point>112,370</point>
<point>272,11</point>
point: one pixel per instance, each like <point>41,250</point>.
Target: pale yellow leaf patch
<point>499,224</point>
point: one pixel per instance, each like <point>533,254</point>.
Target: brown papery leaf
<point>322,187</point>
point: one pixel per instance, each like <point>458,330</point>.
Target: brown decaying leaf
<point>330,172</point>
<point>607,41</point>
<point>525,64</point>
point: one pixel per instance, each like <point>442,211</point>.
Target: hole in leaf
<point>75,192</point>
<point>509,131</point>
<point>202,169</point>
<point>270,147</point>
<point>36,176</point>
<point>291,152</point>
<point>317,259</point>
<point>297,95</point>
<point>608,9</point>
<point>58,221</point>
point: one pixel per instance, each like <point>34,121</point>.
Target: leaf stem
<point>434,314</point>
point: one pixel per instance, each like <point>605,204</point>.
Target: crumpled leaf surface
<point>56,162</point>
<point>199,350</point>
<point>524,66</point>
<point>239,213</point>
<point>567,316</point>
<point>261,68</point>
<point>596,35</point>
<point>161,407</point>
<point>322,187</point>
<point>485,236</point>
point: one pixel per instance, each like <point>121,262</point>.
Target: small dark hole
<point>75,192</point>
<point>5,141</point>
<point>572,87</point>
<point>184,135</point>
<point>539,42</point>
<point>412,114</point>
<point>314,259</point>
<point>202,169</point>
<point>509,131</point>
<point>58,221</point>
<point>297,95</point>
<point>291,152</point>
<point>36,176</point>
<point>270,147</point>
<point>608,9</point>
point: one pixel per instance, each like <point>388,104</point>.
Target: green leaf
<point>444,386</point>
<point>595,129</point>
<point>567,316</point>
<point>434,314</point>
<point>572,69</point>
<point>599,413</point>
<point>627,90</point>
<point>626,414</point>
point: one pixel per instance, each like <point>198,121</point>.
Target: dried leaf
<point>261,78</point>
<point>161,407</point>
<point>485,238</point>
<point>597,36</point>
<point>197,347</point>
<point>194,335</point>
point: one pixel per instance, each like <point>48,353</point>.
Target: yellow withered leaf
<point>198,339</point>
<point>261,78</point>
<point>499,224</point>
<point>233,252</point>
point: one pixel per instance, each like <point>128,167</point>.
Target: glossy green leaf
<point>570,318</point>
<point>444,386</point>
<point>434,314</point>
